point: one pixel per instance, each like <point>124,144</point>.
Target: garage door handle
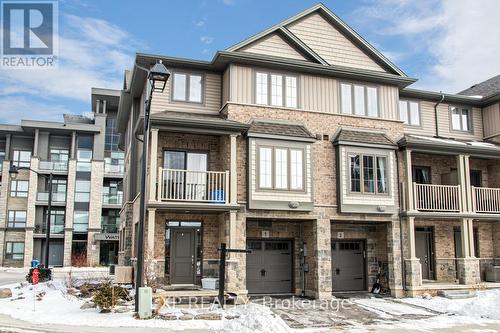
<point>337,271</point>
<point>358,278</point>
<point>262,272</point>
<point>286,280</point>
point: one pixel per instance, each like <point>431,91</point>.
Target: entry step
<point>456,294</point>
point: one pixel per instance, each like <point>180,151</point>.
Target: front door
<point>424,250</point>
<point>348,265</point>
<point>269,267</point>
<point>182,259</point>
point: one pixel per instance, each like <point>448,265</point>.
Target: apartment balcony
<point>450,199</point>
<point>112,200</point>
<point>58,198</point>
<point>206,190</point>
<point>113,169</point>
<point>55,230</point>
<point>51,166</point>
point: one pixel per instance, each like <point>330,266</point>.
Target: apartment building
<point>306,145</point>
<point>82,155</point>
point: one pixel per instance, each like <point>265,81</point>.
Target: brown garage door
<point>269,267</point>
<point>348,266</point>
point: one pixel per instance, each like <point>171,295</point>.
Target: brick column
<point>95,212</point>
<point>322,254</point>
<point>233,233</point>
<point>69,213</point>
<point>394,258</point>
<point>30,213</point>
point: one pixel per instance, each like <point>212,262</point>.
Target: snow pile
<point>485,305</point>
<point>57,307</point>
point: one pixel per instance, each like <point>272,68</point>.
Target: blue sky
<point>448,45</point>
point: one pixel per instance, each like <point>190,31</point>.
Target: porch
<point>193,162</point>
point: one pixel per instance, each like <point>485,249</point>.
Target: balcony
<point>448,199</point>
<point>57,197</point>
<point>53,166</point>
<point>486,200</point>
<point>54,229</point>
<point>193,186</point>
<point>112,198</point>
<point>114,169</point>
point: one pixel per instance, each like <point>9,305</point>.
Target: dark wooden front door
<point>424,250</point>
<point>183,256</point>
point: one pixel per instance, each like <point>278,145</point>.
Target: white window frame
<point>352,99</point>
<point>187,87</point>
<point>274,184</point>
<point>461,110</point>
<point>408,121</point>
<point>287,98</point>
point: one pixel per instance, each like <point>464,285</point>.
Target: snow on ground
<point>485,305</point>
<point>387,308</point>
<point>58,307</point>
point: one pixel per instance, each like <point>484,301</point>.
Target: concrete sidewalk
<point>9,324</point>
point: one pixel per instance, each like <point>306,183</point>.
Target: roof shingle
<point>281,129</point>
<point>347,135</point>
<point>485,88</point>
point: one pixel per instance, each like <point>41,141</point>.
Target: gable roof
<point>346,30</point>
<point>485,88</point>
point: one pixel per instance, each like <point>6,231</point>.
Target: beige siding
<point>491,120</point>
<point>241,84</point>
<point>388,102</point>
<point>445,129</point>
<point>427,119</point>
<point>330,44</point>
<point>273,45</point>
<point>211,103</point>
<point>316,93</point>
<point>225,86</point>
<point>428,126</point>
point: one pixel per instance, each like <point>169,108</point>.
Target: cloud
<point>228,2</point>
<point>460,37</point>
<point>92,53</point>
<point>206,39</point>
<point>15,108</point>
<point>200,23</point>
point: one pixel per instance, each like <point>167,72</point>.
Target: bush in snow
<point>45,275</point>
<point>107,296</point>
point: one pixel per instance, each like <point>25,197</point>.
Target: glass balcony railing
<point>112,199</point>
<point>54,229</point>
<point>113,168</point>
<point>53,166</point>
<point>56,196</point>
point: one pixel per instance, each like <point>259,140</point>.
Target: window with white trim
<point>409,112</point>
<point>19,188</point>
<point>187,87</point>
<point>358,99</point>
<point>461,119</point>
<point>368,174</point>
<point>14,250</point>
<point>281,168</point>
<point>276,89</point>
<point>17,219</point>
<point>21,158</point>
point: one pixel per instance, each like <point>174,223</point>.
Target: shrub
<point>45,275</point>
<point>107,296</point>
<point>79,259</point>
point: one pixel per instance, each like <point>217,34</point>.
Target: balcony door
<point>186,178</point>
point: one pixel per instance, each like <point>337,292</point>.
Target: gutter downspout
<point>436,114</point>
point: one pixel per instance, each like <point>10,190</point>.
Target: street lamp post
<point>157,77</point>
<point>13,172</point>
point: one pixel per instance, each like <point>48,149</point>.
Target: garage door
<point>269,267</point>
<point>348,266</point>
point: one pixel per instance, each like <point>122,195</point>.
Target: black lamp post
<point>157,77</point>
<point>13,172</point>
